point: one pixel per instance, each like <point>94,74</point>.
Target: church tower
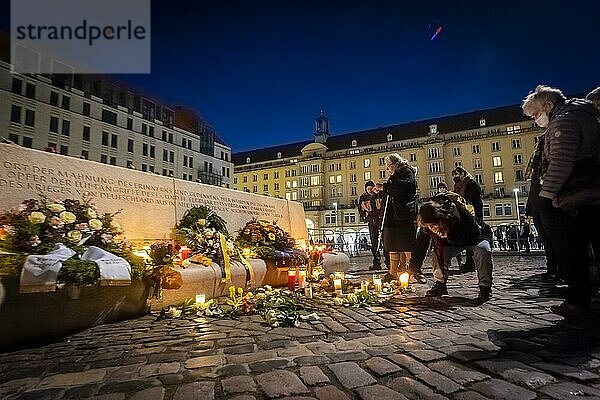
<point>321,128</point>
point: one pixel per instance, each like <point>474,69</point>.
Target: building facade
<point>98,119</point>
<point>327,174</point>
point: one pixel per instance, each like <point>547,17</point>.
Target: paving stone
<point>427,355</point>
<point>73,379</point>
<point>379,392</point>
<point>79,392</point>
<point>502,390</point>
<point>166,357</point>
<point>155,393</point>
<point>351,375</point>
<point>457,372</point>
<point>159,369</point>
<point>264,366</point>
<point>413,390</point>
<point>279,383</point>
<point>330,393</point>
<point>312,376</point>
<point>171,379</point>
<point>238,384</point>
<point>44,394</point>
<point>439,381</point>
<point>569,391</point>
<point>243,397</point>
<point>16,386</point>
<point>381,351</point>
<point>311,360</point>
<point>409,363</point>
<point>129,386</point>
<point>380,366</point>
<point>233,370</point>
<point>234,342</point>
<point>468,395</point>
<point>241,349</point>
<point>348,356</point>
<point>207,361</point>
<point>195,391</point>
<point>567,371</point>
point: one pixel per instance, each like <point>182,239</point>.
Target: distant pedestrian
<point>466,186</point>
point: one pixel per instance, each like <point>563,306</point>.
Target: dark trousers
<point>537,215</point>
<point>419,252</point>
<point>571,233</point>
<point>374,234</point>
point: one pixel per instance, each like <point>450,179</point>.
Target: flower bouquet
<point>162,275</point>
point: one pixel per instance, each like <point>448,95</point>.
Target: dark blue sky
<point>260,71</point>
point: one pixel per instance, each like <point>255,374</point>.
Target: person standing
<point>524,233</point>
<point>399,229</point>
<point>469,189</point>
<point>370,210</point>
<point>570,180</point>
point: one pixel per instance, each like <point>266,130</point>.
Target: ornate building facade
<point>327,174</point>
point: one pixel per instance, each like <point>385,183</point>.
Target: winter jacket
<point>370,208</point>
<point>471,192</point>
<point>463,229</point>
<point>401,187</point>
<point>571,148</point>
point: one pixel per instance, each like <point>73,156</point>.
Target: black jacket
<point>401,188</point>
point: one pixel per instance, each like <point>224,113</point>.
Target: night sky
<point>260,71</point>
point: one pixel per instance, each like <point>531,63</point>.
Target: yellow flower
<point>201,222</point>
<point>67,217</point>
<point>37,217</point>
<point>232,291</point>
<point>75,236</point>
<point>271,236</point>
<point>115,225</point>
<point>91,213</point>
<point>56,208</point>
<point>95,224</point>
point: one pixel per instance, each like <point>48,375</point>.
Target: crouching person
<point>453,228</point>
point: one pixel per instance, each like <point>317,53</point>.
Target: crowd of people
<point>563,202</point>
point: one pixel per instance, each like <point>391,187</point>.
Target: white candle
<point>308,292</point>
<point>302,278</point>
<point>364,286</point>
<point>200,298</point>
<point>337,284</point>
<point>404,280</point>
<point>378,284</point>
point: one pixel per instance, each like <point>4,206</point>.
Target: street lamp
<point>518,220</point>
<point>335,212</point>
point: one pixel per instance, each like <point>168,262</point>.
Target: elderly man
<point>570,182</point>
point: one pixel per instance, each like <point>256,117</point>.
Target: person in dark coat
<point>524,233</point>
<point>399,229</point>
<point>370,211</point>
<point>469,189</point>
<point>570,180</point>
<point>453,228</point>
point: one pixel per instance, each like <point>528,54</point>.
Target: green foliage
<point>193,215</point>
<point>79,272</point>
<point>162,253</point>
<point>11,264</point>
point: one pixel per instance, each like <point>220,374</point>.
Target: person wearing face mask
<point>569,182</point>
<point>399,229</point>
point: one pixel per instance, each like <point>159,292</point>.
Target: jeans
<point>482,256</point>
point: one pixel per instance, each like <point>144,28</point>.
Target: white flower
<point>208,233</point>
<point>36,217</point>
<point>174,312</point>
<point>115,225</point>
<point>338,301</point>
<point>35,241</point>
<point>75,236</point>
<point>91,213</point>
<point>95,224</point>
<point>67,217</point>
<point>56,208</point>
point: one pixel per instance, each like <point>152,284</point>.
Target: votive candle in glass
<point>301,278</point>
<point>377,283</point>
<point>291,279</point>
<point>200,298</point>
<point>404,280</point>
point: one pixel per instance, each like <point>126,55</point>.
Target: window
<point>265,177</point>
<point>477,163</point>
<point>434,167</point>
<point>456,151</point>
<point>332,179</point>
<point>66,102</point>
<point>165,155</point>
<point>245,179</point>
<point>27,142</point>
<point>172,157</point>
<point>54,124</point>
<point>413,157</point>
<point>478,178</point>
<point>519,175</point>
<point>54,98</point>
<point>433,129</point>
<point>367,162</point>
<point>17,86</point>
<point>507,209</point>
<point>164,136</point>
<point>498,177</point>
<point>66,127</point>
<point>338,179</point>
<point>254,189</point>
<point>276,186</point>
<point>349,218</point>
<point>64,150</point>
<point>265,188</point>
<point>495,146</point>
<point>145,168</point>
<point>352,164</point>
<point>354,143</point>
<point>353,190</point>
<point>352,177</point>
<point>104,158</point>
<point>171,138</point>
<point>381,160</point>
<point>433,152</point>
<point>85,154</point>
<point>516,143</point>
<point>513,129</point>
<point>129,124</point>
<point>30,91</point>
<point>13,137</point>
<point>151,134</point>
<point>104,138</point>
<point>314,181</point>
<point>476,149</point>
<point>254,178</point>
<point>367,176</point>
<point>497,161</point>
<point>457,163</point>
<point>331,218</point>
<point>518,159</point>
<point>113,161</point>
<point>130,145</point>
<point>15,114</point>
<point>434,181</point>
<point>482,122</point>
<point>86,134</point>
<point>486,210</point>
<point>184,144</point>
<point>315,168</point>
<point>381,174</point>
<point>153,153</point>
<point>144,129</point>
<point>276,175</point>
<point>109,116</point>
<point>145,151</point>
<point>86,109</point>
<point>499,210</point>
<point>279,154</point>
<point>499,192</point>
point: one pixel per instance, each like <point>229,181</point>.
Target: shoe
<point>569,310</point>
<point>388,278</point>
<point>375,268</point>
<point>485,292</point>
<point>437,290</point>
<point>420,278</point>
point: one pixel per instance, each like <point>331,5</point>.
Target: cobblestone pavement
<point>510,347</point>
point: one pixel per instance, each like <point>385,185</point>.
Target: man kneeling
<point>453,229</point>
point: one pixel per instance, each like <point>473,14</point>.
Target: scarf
<point>538,164</point>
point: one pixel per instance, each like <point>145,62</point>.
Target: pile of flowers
<point>268,241</point>
<point>162,255</point>
<point>36,226</point>
<point>201,229</point>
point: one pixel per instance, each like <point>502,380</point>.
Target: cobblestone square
<point>510,347</point>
